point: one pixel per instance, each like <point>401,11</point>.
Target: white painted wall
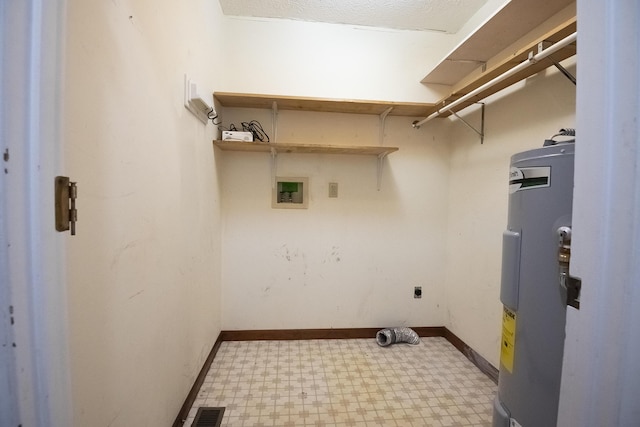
<point>330,60</point>
<point>144,268</point>
<point>296,58</point>
<point>468,275</point>
<point>346,262</point>
<point>271,56</point>
<point>516,119</point>
<point>442,209</point>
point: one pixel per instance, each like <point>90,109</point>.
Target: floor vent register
<point>208,417</point>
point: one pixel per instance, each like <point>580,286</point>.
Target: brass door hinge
<point>66,213</point>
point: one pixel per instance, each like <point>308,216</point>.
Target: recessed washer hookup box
<point>228,135</point>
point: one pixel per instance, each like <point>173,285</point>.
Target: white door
<point>34,383</point>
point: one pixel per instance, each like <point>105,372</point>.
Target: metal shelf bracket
<point>479,132</point>
<point>563,70</point>
<point>380,166</point>
<point>274,121</point>
<point>383,117</point>
<point>274,167</point>
<point>544,45</point>
<point>381,157</point>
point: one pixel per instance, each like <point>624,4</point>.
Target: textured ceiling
<point>423,15</point>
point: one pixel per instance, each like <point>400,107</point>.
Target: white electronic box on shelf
<point>228,135</point>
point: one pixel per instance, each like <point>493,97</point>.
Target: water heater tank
<point>534,300</point>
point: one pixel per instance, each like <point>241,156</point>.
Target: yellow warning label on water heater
<point>507,347</point>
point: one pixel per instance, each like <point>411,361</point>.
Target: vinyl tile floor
<point>342,383</point>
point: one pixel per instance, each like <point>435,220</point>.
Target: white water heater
<point>535,286</point>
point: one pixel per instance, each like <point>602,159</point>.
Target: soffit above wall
<point>423,15</point>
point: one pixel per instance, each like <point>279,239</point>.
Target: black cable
<point>256,129</point>
<point>253,126</point>
<point>212,115</point>
<point>231,127</point>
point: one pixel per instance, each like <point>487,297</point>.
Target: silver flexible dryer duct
<point>389,336</point>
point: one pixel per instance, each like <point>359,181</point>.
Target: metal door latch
<point>66,213</point>
<point>570,284</point>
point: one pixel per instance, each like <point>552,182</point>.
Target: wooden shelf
<point>481,57</point>
<point>326,105</point>
<point>506,64</point>
<point>263,147</point>
<point>512,22</point>
<point>276,103</point>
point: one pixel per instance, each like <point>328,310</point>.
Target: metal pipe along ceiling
<point>524,64</point>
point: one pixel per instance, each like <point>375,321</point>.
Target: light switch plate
<point>333,189</point>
